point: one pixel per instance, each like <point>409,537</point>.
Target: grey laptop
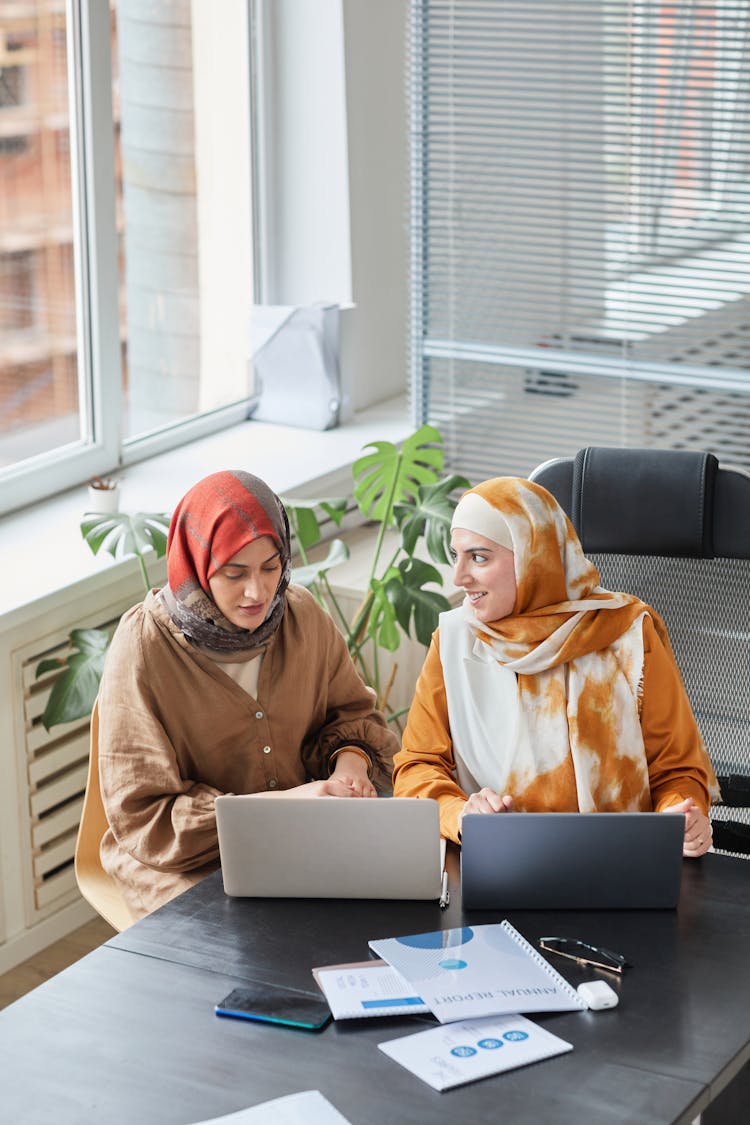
<point>329,847</point>
<point>571,861</point>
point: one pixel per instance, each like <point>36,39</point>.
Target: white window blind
<point>581,227</point>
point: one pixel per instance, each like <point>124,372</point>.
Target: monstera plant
<point>122,536</point>
<point>397,488</point>
<point>401,489</point>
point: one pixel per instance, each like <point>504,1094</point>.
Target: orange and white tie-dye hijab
<point>561,611</point>
<point>577,652</point>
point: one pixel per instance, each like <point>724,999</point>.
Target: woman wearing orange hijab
<point>543,691</point>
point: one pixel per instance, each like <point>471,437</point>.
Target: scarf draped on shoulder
<point>577,652</point>
<point>213,522</point>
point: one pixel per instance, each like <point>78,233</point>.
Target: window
<point>126,264</point>
<point>581,249</point>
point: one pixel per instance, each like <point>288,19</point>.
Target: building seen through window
<point>182,282</point>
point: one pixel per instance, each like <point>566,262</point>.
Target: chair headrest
<point>644,501</point>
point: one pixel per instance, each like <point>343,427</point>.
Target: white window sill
<point>41,548</point>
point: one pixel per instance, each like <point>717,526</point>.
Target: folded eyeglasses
<point>584,953</point>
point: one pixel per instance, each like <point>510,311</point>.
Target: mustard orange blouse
<point>676,758</point>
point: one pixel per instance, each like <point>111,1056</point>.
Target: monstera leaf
<point>412,602</point>
<point>400,598</point>
<point>304,520</point>
<point>338,552</point>
<point>74,691</point>
<point>392,475</point>
<point>122,535</point>
<point>429,517</point>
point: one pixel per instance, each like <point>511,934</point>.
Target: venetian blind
<point>581,227</point>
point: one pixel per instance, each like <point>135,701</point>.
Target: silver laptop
<point>570,861</point>
<point>329,847</point>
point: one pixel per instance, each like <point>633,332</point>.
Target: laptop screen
<point>571,861</point>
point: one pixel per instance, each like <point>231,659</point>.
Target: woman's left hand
<point>351,770</point>
<point>698,831</point>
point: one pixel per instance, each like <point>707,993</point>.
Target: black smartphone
<point>272,1004</point>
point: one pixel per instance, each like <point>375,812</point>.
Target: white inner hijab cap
<point>473,513</point>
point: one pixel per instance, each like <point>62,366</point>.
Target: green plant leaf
<point>382,625</point>
<point>336,509</point>
<point>74,691</point>
<point>412,602</point>
<point>304,520</point>
<point>391,475</point>
<point>430,515</point>
<point>304,524</point>
<point>338,552</point>
<point>121,535</point>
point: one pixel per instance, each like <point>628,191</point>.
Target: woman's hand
<point>330,787</point>
<point>698,831</point>
<point>351,770</point>
<point>486,801</point>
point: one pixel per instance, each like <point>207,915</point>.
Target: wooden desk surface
<point>129,1034</point>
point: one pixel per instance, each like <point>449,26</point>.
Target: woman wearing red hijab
<point>228,680</point>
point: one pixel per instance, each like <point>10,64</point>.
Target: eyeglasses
<point>584,953</point>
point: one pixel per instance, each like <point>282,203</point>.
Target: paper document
<point>367,988</point>
<point>309,1107</point>
<point>478,971</point>
<point>471,1049</point>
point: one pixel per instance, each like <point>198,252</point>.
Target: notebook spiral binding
<point>551,971</point>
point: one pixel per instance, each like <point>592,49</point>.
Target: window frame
<point>95,255</point>
<point>99,448</point>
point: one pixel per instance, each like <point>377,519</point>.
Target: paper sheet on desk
<point>309,1107</point>
<point>463,1052</point>
<point>367,988</point>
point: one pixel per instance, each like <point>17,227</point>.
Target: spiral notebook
<point>478,971</point>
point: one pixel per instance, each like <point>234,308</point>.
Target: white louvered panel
<point>38,738</point>
<point>55,856</point>
<point>62,789</point>
<point>51,762</point>
<point>28,673</point>
<point>58,889</point>
<point>56,772</point>
<point>67,817</point>
<point>45,777</point>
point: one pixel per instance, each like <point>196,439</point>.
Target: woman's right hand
<point>329,787</point>
<point>486,801</point>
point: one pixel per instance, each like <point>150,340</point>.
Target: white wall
<point>377,351</point>
<point>334,187</point>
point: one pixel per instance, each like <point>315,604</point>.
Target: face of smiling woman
<point>244,587</point>
<point>486,572</point>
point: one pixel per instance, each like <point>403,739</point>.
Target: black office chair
<point>673,527</point>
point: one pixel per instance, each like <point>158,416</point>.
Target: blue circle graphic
<point>452,963</point>
<point>515,1036</point>
<point>490,1044</point>
<point>463,1052</point>
<point>439,939</point>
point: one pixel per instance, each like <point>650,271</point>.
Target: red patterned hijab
<point>219,516</point>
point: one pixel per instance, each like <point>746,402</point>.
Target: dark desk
<point>128,1034</point>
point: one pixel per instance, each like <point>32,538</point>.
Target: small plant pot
<point>103,500</point>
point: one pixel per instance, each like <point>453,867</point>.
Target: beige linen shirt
<point>175,731</point>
